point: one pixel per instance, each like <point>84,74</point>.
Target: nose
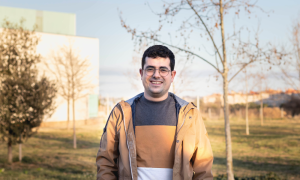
<point>156,73</point>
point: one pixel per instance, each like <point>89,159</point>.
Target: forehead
<point>157,62</point>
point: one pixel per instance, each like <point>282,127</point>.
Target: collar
<point>180,101</point>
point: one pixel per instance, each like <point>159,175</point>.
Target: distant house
<point>270,97</point>
<point>214,98</point>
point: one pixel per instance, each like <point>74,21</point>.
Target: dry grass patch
<point>50,154</point>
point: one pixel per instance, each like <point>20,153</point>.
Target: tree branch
<point>212,39</point>
<point>181,49</point>
<point>244,66</point>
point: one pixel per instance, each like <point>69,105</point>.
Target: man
<point>155,135</point>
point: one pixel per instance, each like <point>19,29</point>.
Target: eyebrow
<point>154,67</point>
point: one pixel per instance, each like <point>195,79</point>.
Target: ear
<point>141,73</point>
<point>173,73</point>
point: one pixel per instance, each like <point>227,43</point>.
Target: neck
<point>156,99</point>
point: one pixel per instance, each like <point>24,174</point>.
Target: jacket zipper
<point>127,142</point>
<point>183,121</point>
<point>180,129</point>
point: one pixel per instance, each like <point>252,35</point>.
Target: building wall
<point>87,48</point>
<point>55,30</point>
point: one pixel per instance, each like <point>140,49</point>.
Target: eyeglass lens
<point>162,71</point>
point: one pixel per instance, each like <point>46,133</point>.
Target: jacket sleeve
<point>108,152</point>
<point>203,155</point>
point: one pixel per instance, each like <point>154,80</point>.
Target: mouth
<point>156,82</point>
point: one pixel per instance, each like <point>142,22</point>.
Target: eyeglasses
<point>150,71</point>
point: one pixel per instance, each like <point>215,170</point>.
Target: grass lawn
<point>50,154</point>
<point>273,147</point>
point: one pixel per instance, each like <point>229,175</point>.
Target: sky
<point>100,19</point>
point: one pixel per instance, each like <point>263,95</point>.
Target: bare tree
<point>62,77</point>
<point>262,81</point>
<point>207,16</point>
<point>249,86</point>
<point>254,53</point>
<point>291,68</point>
<point>296,45</point>
<point>247,76</point>
<point>183,81</point>
<point>247,118</point>
<point>73,77</point>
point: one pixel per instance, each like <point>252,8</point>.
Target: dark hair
<point>159,51</point>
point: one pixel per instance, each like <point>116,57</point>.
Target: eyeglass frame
<point>158,71</point>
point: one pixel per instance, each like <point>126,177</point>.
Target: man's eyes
<point>150,69</point>
<point>161,69</point>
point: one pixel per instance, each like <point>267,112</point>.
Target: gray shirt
<point>155,113</point>
<point>155,127</point>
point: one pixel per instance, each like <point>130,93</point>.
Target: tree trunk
<point>20,149</point>
<point>261,106</point>
<point>229,164</point>
<point>241,117</point>
<point>9,152</point>
<point>247,120</point>
<point>74,129</point>
<point>68,114</point>
<point>261,110</point>
<point>20,152</point>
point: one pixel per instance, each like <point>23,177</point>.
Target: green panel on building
<point>15,14</point>
<point>46,21</point>
<point>93,105</point>
<point>66,22</point>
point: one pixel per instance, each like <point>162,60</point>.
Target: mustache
<point>156,79</point>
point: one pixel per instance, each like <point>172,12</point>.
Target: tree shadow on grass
<point>59,173</point>
<point>66,142</point>
<point>259,135</point>
<point>287,167</point>
<point>75,169</point>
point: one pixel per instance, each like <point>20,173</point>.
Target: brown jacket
<point>116,158</point>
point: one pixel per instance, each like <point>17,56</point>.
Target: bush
<point>15,158</point>
<point>27,160</point>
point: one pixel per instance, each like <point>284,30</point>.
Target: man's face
<point>155,84</point>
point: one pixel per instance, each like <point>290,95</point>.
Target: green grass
<point>273,147</point>
<point>50,155</point>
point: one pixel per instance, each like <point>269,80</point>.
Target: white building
<point>56,30</point>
